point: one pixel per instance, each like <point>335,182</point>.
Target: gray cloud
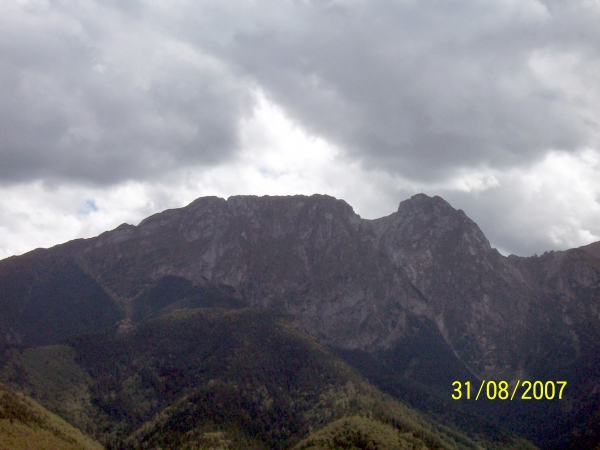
<point>422,88</point>
<point>419,92</point>
<point>111,91</point>
<point>90,94</point>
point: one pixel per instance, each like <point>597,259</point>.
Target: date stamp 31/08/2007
<point>501,390</point>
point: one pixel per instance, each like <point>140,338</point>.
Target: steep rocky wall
<point>352,283</point>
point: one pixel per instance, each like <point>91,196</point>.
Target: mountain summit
<point>352,283</point>
<point>425,272</point>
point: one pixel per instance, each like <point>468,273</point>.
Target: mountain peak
<point>433,218</point>
<point>425,203</point>
<point>289,201</point>
<point>421,285</point>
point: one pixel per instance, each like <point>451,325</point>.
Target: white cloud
<point>551,205</point>
<point>36,215</point>
<point>560,198</point>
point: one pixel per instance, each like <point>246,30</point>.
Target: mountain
<point>415,300</point>
<point>214,378</point>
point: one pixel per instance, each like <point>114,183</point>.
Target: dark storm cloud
<point>420,88</point>
<point>107,91</point>
<point>90,93</point>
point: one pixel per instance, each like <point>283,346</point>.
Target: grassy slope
<point>51,375</point>
<point>25,425</point>
<point>214,379</point>
<point>362,432</point>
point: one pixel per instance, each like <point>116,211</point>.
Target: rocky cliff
<point>352,283</point>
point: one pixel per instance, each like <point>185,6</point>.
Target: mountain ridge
<point>217,241</point>
<point>352,283</point>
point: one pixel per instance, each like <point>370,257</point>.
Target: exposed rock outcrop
<point>350,282</point>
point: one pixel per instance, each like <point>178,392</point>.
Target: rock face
<point>312,256</point>
<point>352,283</point>
<point>424,274</point>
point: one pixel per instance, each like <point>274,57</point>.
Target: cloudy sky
<point>112,110</point>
